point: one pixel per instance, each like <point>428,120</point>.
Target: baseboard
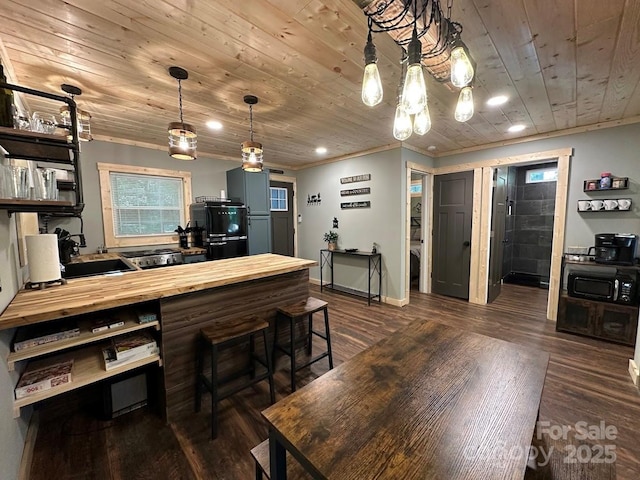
<point>634,372</point>
<point>29,445</point>
<point>396,302</point>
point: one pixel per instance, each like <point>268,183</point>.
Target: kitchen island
<point>186,298</point>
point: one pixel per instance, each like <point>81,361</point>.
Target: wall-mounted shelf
<point>48,148</point>
<point>614,206</point>
<point>617,183</point>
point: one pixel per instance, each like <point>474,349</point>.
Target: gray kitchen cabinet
<point>259,234</point>
<point>252,189</point>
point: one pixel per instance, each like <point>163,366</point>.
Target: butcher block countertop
<point>90,294</point>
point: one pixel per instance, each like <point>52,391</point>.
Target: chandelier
<point>429,40</point>
<point>251,151</point>
<point>183,140</point>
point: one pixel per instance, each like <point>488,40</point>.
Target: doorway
<point>416,232</point>
<point>282,218</point>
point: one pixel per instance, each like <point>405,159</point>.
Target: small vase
<point>331,245</point>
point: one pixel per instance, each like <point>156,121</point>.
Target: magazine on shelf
<point>35,380</point>
<point>146,317</point>
<point>47,332</point>
<point>111,361</point>
<point>105,323</point>
<point>132,344</point>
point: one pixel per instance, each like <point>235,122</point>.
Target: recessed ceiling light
<point>516,128</point>
<point>497,100</point>
<point>214,125</point>
<point>431,148</point>
<point>321,150</point>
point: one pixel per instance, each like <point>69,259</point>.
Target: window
<point>142,206</point>
<point>542,175</point>
<point>278,198</point>
<point>416,188</point>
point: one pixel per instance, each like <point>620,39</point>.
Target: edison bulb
<point>183,143</point>
<point>422,121</point>
<point>464,109</point>
<point>401,124</point>
<point>414,92</point>
<point>371,85</point>
<point>461,68</point>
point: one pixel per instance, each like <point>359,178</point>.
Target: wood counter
<point>102,292</point>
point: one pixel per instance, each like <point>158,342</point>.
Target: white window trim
<point>286,199</point>
<point>110,240</point>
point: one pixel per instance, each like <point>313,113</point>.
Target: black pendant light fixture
<point>251,151</point>
<point>83,118</point>
<point>183,140</point>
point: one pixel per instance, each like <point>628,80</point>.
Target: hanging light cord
<point>180,96</point>
<point>251,122</point>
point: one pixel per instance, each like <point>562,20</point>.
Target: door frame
<point>481,221</point>
<point>286,179</point>
<point>427,222</point>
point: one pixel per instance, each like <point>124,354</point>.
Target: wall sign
<point>313,199</point>
<point>356,178</point>
<point>346,205</point>
<point>355,191</point>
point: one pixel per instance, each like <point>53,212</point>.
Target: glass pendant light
<point>251,151</point>
<point>414,94</point>
<point>183,140</point>
<point>464,108</point>
<point>371,83</point>
<point>422,121</point>
<point>83,118</point>
<point>461,68</point>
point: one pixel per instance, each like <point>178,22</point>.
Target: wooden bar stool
<point>293,313</point>
<point>219,337</point>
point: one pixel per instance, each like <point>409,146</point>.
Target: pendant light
<point>464,108</point>
<point>461,67</point>
<point>422,121</point>
<point>251,151</point>
<point>183,140</point>
<point>371,83</point>
<point>83,119</point>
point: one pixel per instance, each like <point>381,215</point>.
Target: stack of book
<point>130,348</point>
<point>37,379</point>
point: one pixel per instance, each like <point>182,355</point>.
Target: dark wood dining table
<point>428,402</point>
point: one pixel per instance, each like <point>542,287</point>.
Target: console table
<point>374,266</point>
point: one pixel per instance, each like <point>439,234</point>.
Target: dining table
<point>430,401</point>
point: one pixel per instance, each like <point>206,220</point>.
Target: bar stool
<point>293,313</point>
<point>222,336</point>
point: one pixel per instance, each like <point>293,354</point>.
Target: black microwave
<point>616,288</point>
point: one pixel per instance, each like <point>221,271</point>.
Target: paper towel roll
<point>42,257</point>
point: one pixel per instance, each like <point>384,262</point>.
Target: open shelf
<point>86,336</point>
<point>622,181</point>
<point>88,367</point>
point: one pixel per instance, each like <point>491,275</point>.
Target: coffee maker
<point>616,248</point>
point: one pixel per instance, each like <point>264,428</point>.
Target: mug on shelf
<point>610,204</point>
<point>597,204</point>
<point>584,205</point>
<point>624,203</point>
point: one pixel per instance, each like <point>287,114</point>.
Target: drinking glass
<point>43,123</point>
<point>45,184</point>
<point>20,119</point>
<point>16,182</point>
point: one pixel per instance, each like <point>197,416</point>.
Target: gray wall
<point>613,150</point>
<point>12,432</point>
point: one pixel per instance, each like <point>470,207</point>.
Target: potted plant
<point>332,239</point>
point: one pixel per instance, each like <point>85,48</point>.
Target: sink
<point>98,267</point>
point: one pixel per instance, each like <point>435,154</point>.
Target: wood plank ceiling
<point>563,64</point>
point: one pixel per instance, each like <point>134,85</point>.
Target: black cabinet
<point>45,148</point>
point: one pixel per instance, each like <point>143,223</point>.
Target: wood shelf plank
<point>88,367</point>
<point>85,337</point>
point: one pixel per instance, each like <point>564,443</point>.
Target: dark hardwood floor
<point>587,381</point>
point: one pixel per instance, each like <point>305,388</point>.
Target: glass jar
<point>605,180</point>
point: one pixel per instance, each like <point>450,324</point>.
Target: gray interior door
<point>453,206</point>
<point>282,226</point>
<point>498,218</point>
